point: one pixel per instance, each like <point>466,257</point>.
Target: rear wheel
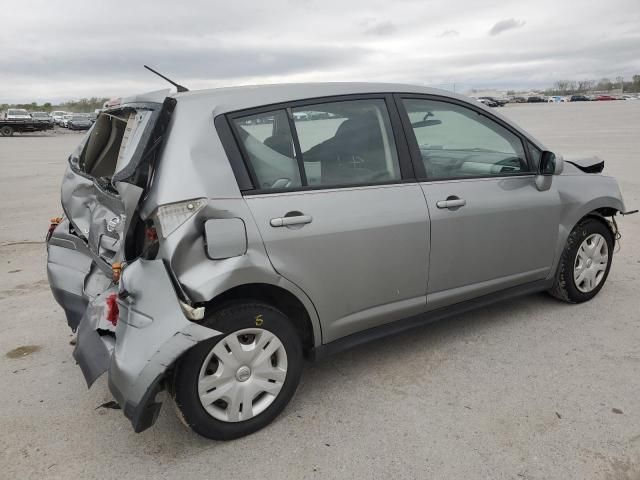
<point>237,383</point>
<point>585,262</point>
<point>6,131</point>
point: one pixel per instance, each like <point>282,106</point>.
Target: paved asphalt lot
<point>526,389</point>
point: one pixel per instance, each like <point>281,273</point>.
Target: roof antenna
<point>177,85</point>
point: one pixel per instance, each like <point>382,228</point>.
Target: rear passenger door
<point>337,208</point>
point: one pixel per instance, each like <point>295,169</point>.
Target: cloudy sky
<point>54,50</point>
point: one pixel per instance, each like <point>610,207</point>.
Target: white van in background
<point>57,116</point>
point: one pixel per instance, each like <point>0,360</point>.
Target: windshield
<point>78,117</point>
<point>17,112</point>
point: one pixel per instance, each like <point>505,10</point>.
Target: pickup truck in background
<point>19,120</point>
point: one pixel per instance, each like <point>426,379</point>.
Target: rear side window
<point>335,143</point>
<point>347,143</point>
<point>268,143</point>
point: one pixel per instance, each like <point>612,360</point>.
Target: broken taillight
<point>112,309</point>
<point>151,234</point>
<point>53,223</point>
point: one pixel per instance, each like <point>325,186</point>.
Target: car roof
<point>228,99</point>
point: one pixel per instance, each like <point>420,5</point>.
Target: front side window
<point>458,142</point>
<point>268,143</point>
<point>347,143</point>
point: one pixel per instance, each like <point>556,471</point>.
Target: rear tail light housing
<point>172,215</point>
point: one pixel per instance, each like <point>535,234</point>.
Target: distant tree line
<point>568,87</point>
<point>560,87</point>
<point>79,106</point>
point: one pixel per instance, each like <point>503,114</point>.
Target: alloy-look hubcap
<point>242,375</point>
<point>591,263</point>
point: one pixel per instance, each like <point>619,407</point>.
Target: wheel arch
<point>601,214</point>
<point>598,209</point>
<point>287,302</point>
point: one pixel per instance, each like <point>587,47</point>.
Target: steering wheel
<point>510,164</point>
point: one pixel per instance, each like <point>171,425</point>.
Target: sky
<point>57,50</point>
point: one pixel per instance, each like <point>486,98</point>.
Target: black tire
<point>231,318</point>
<point>564,287</point>
<point>6,131</point>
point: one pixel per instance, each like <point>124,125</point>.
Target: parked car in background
<point>518,100</point>
<point>79,122</point>
<point>579,98</point>
<point>42,117</point>
<point>64,122</point>
<point>557,99</point>
<point>487,102</point>
<point>605,98</point>
<point>57,116</point>
<point>229,234</point>
<point>500,102</point>
<point>629,97</point>
<point>301,116</point>
<point>17,114</point>
<point>535,99</point>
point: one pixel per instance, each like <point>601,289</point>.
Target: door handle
<point>293,220</point>
<point>451,202</point>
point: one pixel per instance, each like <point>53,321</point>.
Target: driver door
<point>491,228</point>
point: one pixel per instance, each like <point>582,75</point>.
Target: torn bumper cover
<point>151,333</point>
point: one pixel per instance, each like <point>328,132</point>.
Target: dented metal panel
<point>152,332</point>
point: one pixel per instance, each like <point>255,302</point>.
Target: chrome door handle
<point>451,203</point>
<point>294,220</point>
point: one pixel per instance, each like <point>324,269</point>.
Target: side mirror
<point>547,163</point>
<point>550,165</point>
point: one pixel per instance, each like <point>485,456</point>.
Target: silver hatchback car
<point>212,240</point>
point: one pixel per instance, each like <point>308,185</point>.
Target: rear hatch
<point>109,173</point>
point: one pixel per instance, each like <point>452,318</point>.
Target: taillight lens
<point>151,234</point>
<point>113,312</point>
<point>171,216</point>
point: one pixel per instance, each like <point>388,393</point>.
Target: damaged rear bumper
<point>151,334</point>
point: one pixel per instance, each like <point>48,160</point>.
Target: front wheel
<point>235,384</point>
<point>585,262</point>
